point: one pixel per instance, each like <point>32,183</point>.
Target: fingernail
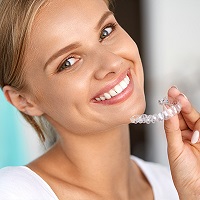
<point>183,96</point>
<point>174,86</point>
<point>195,137</point>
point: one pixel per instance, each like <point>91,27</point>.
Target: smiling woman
<point>81,77</point>
<point>15,59</point>
<point>74,71</point>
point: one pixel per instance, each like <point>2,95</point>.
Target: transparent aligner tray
<point>169,110</point>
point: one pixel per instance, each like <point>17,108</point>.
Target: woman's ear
<point>21,102</point>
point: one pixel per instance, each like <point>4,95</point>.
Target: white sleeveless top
<point>21,183</point>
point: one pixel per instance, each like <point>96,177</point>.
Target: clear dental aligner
<point>169,110</point>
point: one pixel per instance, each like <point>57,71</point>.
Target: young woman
<point>69,65</point>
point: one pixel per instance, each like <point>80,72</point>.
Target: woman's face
<point>77,52</point>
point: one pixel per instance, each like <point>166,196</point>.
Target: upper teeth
<point>116,90</point>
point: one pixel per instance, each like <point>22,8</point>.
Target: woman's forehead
<point>70,13</point>
<point>63,21</point>
<point>72,6</point>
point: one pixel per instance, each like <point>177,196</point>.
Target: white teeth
<point>107,96</point>
<point>112,93</point>
<point>127,80</point>
<point>98,99</point>
<point>103,98</point>
<point>116,90</point>
<point>123,84</point>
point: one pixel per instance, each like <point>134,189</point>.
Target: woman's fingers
<point>196,133</point>
<point>182,132</point>
<point>173,135</point>
<point>175,125</point>
<point>195,137</point>
<point>189,115</point>
<point>185,126</point>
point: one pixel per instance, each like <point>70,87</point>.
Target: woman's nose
<point>108,64</point>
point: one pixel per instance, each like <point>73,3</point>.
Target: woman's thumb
<point>174,137</point>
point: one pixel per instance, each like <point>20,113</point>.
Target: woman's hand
<point>182,134</point>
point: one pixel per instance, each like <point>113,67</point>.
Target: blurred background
<point>167,33</point>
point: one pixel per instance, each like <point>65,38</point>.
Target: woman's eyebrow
<point>76,45</point>
<point>102,19</point>
<point>61,52</point>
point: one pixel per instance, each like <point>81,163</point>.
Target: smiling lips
<point>114,91</point>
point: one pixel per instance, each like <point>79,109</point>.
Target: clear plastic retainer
<point>169,110</point>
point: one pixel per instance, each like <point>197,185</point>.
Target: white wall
<point>171,43</point>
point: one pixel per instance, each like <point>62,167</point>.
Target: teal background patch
<point>12,143</point>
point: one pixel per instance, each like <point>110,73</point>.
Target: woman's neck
<point>98,156</point>
<point>99,163</point>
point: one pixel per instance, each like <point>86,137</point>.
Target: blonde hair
<point>15,24</point>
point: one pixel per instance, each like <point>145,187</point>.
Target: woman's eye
<point>69,62</point>
<point>107,31</point>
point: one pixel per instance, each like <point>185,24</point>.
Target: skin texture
<point>98,64</point>
<point>183,155</point>
<point>93,148</point>
<point>91,157</point>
